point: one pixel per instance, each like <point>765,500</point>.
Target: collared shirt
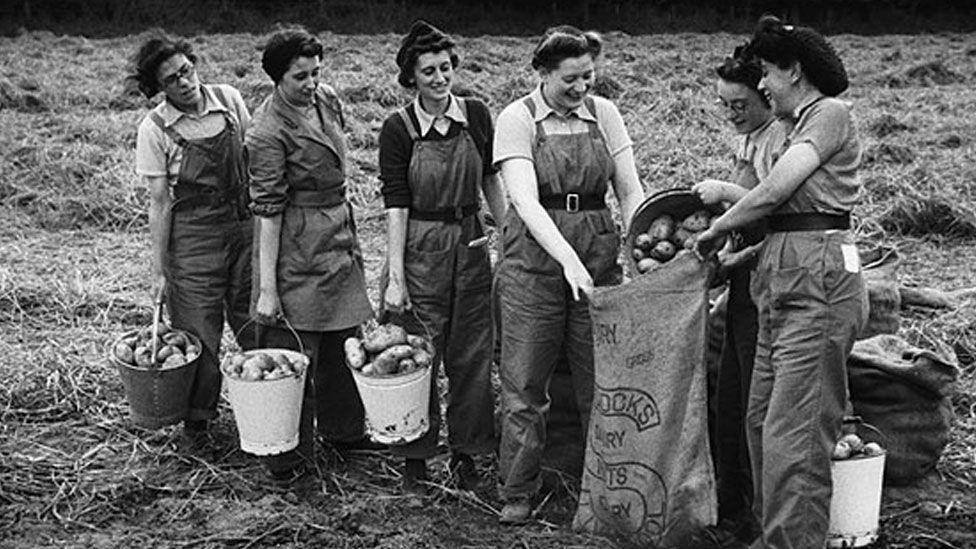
<point>158,155</point>
<point>516,127</point>
<point>760,148</point>
<point>442,123</point>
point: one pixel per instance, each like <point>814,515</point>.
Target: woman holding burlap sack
<point>557,149</point>
<point>808,285</point>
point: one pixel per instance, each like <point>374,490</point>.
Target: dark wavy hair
<point>420,39</point>
<point>563,42</point>
<point>743,69</point>
<point>151,55</point>
<point>284,47</point>
<point>783,45</point>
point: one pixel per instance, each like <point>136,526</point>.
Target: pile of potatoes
<point>174,348</point>
<point>388,350</point>
<point>852,446</point>
<point>665,237</point>
<point>261,366</point>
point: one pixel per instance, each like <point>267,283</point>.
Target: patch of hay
<point>887,125</point>
<point>929,215</point>
<point>890,153</point>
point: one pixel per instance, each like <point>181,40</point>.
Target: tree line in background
<point>108,17</point>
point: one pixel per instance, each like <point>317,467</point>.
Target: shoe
<point>464,472</point>
<point>414,475</point>
<point>516,512</point>
<point>290,475</point>
<point>195,435</point>
<point>195,426</point>
<point>364,444</point>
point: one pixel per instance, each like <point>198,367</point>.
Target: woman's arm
<point>396,298</point>
<point>495,197</point>
<point>160,220</point>
<point>518,175</point>
<point>790,171</point>
<point>269,238</point>
<point>626,185</point>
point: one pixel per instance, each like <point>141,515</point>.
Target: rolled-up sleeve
<point>266,169</point>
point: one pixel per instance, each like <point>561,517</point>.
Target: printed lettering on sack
<point>632,501</point>
<point>627,402</point>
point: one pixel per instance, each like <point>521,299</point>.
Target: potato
<point>647,264</point>
<point>854,441</point>
<point>164,352</point>
<point>368,370</point>
<point>192,351</point>
<point>355,354</point>
<point>176,339</point>
<point>419,342</point>
<point>422,358</point>
<point>124,353</point>
<point>132,340</point>
<point>237,360</point>
<point>251,372</point>
<point>661,228</point>
<point>386,362</point>
<point>143,357</point>
<point>275,374</point>
<point>384,337</point>
<point>698,221</point>
<point>406,365</point>
<point>261,362</point>
<point>638,254</point>
<point>663,251</point>
<point>873,449</point>
<point>643,241</point>
<point>174,360</point>
<point>842,450</point>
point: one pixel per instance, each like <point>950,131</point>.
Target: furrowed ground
<point>74,273</point>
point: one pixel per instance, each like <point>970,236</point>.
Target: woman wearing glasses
<point>189,153</point>
<point>761,137</point>
<point>309,268</point>
<point>808,286</point>
<point>557,149</point>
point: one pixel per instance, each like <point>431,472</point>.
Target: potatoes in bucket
<point>665,237</point>
<point>388,350</point>
<point>261,365</point>
<point>174,348</point>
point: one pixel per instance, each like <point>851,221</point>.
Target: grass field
<point>74,274</point>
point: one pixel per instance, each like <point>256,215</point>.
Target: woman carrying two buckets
<point>435,162</point>
<point>307,262</point>
<point>808,285</point>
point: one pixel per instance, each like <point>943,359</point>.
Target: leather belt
<point>318,199</point>
<point>808,222</point>
<point>447,215</point>
<point>573,202</point>
<point>187,197</point>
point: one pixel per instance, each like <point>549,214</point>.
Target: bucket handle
<point>385,315</point>
<point>157,316</point>
<point>857,420</point>
<point>254,320</point>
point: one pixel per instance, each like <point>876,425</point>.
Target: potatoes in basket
<point>174,348</point>
<point>666,237</point>
<point>261,365</point>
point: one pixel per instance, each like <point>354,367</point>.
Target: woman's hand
<point>396,299</point>
<point>707,243</point>
<point>712,191</point>
<point>578,278</point>
<point>268,308</point>
<point>730,259</point>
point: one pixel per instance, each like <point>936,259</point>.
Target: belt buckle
<point>572,202</point>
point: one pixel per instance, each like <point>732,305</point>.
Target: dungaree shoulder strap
<point>540,132</point>
<point>411,129</point>
<point>590,105</point>
<point>169,131</point>
<point>464,110</point>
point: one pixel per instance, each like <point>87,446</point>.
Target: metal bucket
<point>268,412</point>
<point>855,503</point>
<point>157,397</point>
<point>396,406</point>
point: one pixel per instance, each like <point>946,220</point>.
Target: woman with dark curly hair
<point>807,285</point>
<point>189,153</point>
<point>558,149</point>
<point>435,161</point>
<point>308,265</point>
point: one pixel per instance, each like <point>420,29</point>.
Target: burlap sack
<point>905,392</point>
<point>647,478</point>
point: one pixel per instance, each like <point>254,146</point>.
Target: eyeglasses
<point>184,72</point>
<point>738,106</point>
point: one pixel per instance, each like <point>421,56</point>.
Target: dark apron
<point>540,319</point>
<point>208,265</point>
<point>450,286</point>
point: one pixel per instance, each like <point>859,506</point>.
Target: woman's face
<point>298,83</point>
<point>741,106</point>
<point>566,86</point>
<point>177,78</point>
<point>433,74</point>
<point>778,86</point>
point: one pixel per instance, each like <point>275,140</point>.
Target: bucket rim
<point>404,377</point>
<point>115,360</point>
